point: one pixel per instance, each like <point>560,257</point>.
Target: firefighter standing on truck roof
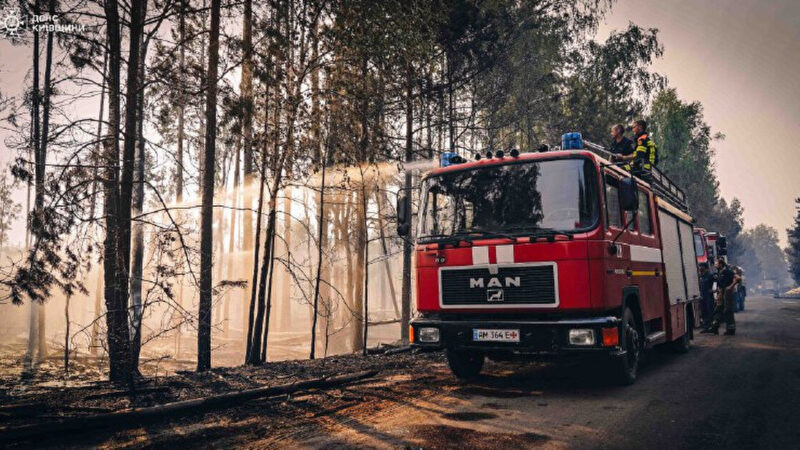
<point>645,154</point>
<point>620,144</point>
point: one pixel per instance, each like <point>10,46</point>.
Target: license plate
<point>495,335</point>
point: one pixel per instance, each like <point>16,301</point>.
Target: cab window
<point>614,215</point>
<point>699,247</point>
<point>645,226</point>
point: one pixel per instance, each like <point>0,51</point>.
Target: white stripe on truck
<point>505,254</point>
<point>480,255</point>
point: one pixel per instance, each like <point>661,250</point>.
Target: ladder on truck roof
<point>659,182</point>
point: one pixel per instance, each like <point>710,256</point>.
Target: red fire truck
<point>550,253</point>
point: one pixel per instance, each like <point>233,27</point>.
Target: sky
<point>740,59</point>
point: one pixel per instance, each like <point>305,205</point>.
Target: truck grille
<point>512,285</point>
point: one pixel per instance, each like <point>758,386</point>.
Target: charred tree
<point>249,357</point>
<point>96,158</point>
<point>207,209</point>
<point>137,268</point>
<point>409,156</point>
<point>32,356</point>
<point>321,233</point>
<point>246,88</point>
<point>116,305</point>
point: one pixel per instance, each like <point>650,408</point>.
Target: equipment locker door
<point>689,261</point>
<point>671,245</point>
<point>680,266</point>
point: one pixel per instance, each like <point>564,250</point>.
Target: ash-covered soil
<point>42,398</point>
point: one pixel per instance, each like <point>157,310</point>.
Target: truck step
<point>656,337</point>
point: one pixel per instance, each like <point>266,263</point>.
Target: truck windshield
<point>699,248</point>
<point>517,198</point>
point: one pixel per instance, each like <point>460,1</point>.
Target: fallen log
<point>127,392</point>
<point>22,407</point>
<point>39,410</point>
<point>135,417</point>
<point>395,351</point>
<point>383,322</point>
<point>380,349</point>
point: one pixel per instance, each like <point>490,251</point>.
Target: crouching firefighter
<point>645,154</point>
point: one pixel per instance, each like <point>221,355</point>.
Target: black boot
<point>710,331</point>
<point>730,332</point>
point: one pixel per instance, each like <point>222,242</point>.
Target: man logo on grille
<point>494,295</point>
<point>494,282</point>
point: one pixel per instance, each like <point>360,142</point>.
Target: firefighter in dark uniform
<point>706,294</point>
<point>645,154</point>
<point>620,144</point>
<point>727,283</point>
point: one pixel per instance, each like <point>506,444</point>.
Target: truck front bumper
<point>536,337</point>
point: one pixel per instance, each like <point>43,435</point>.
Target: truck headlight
<point>581,336</point>
<point>428,334</point>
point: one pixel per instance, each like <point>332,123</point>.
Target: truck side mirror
<point>722,245</point>
<point>629,194</point>
<point>403,226</point>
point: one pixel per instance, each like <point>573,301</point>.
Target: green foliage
<point>793,250</point>
<point>686,155</point>
<point>611,82</point>
<point>684,142</point>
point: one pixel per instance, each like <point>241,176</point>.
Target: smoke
<point>170,292</point>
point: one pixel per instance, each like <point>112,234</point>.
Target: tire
<point>464,365</point>
<point>624,368</point>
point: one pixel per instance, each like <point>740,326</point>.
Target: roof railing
<point>659,182</point>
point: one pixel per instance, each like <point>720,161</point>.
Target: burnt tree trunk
<point>31,356</point>
<point>246,88</point>
<point>365,269</point>
<point>138,206</point>
<point>96,158</point>
<point>321,233</point>
<point>249,357</point>
<point>116,314</point>
<point>405,307</point>
<point>207,209</point>
<point>123,254</point>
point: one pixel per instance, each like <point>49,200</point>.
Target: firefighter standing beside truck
<point>727,282</point>
<point>707,295</point>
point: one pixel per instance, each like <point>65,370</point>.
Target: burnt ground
<point>728,392</point>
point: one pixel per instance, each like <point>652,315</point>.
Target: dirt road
<point>728,392</point>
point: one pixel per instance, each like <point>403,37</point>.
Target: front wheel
<point>464,365</point>
<point>625,367</point>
